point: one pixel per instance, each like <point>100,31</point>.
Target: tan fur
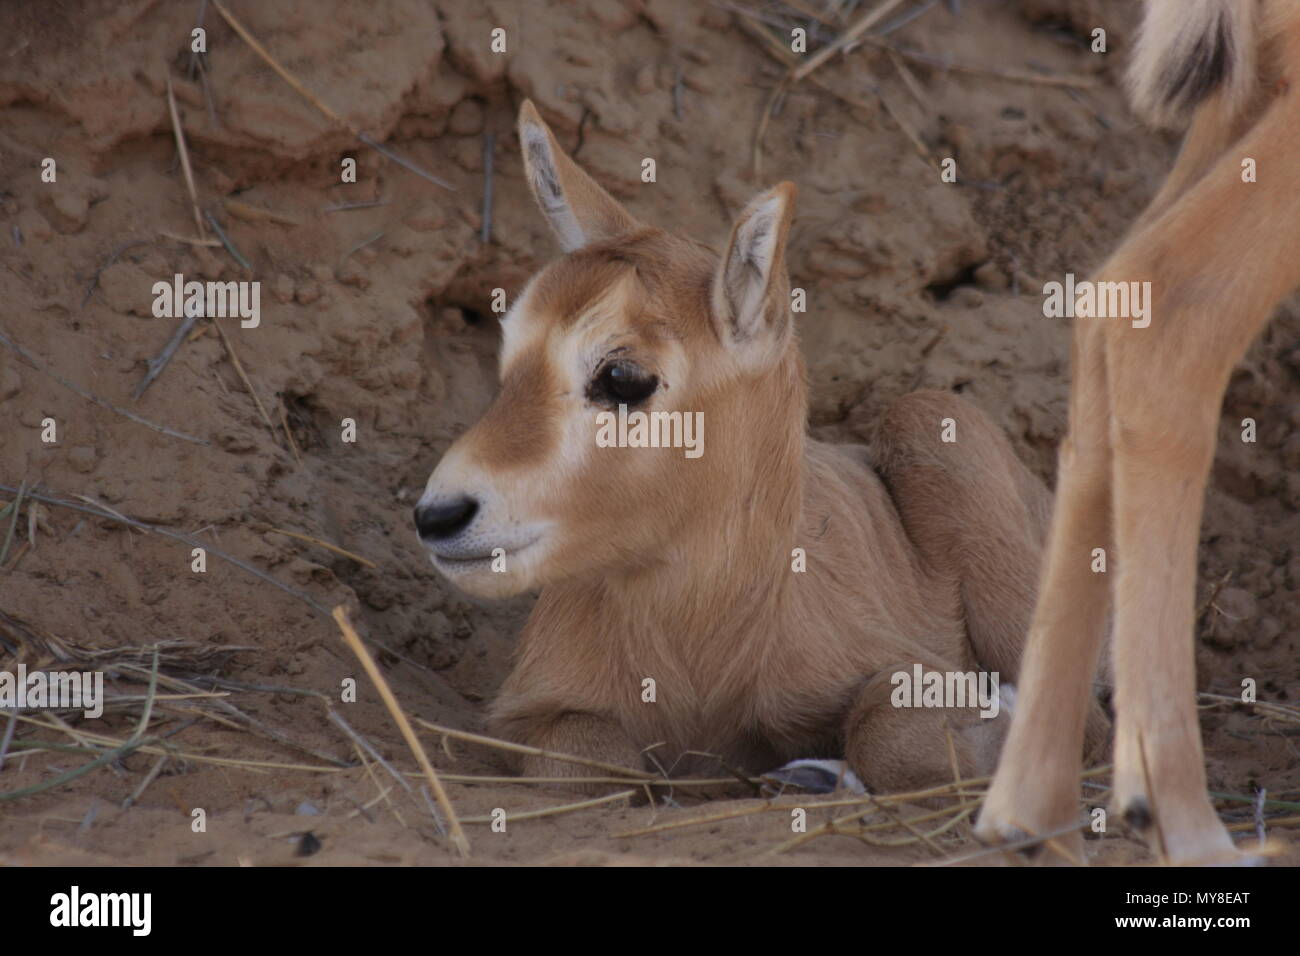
<point>1144,409</point>
<point>655,566</point>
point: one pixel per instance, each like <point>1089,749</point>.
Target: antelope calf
<point>1220,251</point>
<point>754,601</point>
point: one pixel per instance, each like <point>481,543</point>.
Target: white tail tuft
<point>1188,50</point>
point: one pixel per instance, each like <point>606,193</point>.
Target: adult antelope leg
<point>1220,260</point>
<point>1036,787</point>
<point>1035,790</point>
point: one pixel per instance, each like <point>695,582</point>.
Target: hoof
<point>1138,814</point>
<point>1061,847</point>
<point>812,776</point>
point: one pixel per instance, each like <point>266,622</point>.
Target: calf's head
<point>629,316</point>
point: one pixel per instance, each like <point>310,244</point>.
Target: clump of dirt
<point>381,313</point>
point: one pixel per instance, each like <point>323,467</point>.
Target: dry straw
<point>184,152</point>
<point>315,101</point>
<point>859,34</point>
<point>458,838</point>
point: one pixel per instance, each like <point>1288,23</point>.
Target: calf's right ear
<point>751,289</point>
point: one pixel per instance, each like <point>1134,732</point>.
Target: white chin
<point>476,577</point>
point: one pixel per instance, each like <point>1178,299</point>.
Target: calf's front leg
<point>575,734</point>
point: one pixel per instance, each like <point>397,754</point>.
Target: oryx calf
<point>755,601</point>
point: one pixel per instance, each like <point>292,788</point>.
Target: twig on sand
<point>1049,839</point>
<point>149,778</point>
<point>159,362</point>
<point>234,359</point>
<point>1289,821</point>
<point>365,204</point>
<point>457,835</point>
<point>751,21</point>
<point>225,241</point>
<point>700,821</point>
<point>685,783</point>
<point>859,27</point>
<point>94,280</point>
<point>402,161</point>
<point>909,78</point>
<point>155,746</point>
<point>273,64</point>
<point>136,741</point>
<point>8,737</point>
<point>17,506</point>
<point>111,756</point>
<point>207,95</point>
<point>1267,709</point>
<point>315,101</point>
<point>288,433</point>
<point>1012,76</point>
<point>250,213</point>
<point>14,346</point>
<point>184,152</point>
<point>840,826</point>
<point>921,835</point>
<point>358,247</point>
<point>209,243</point>
<point>756,159</point>
<point>917,143</point>
<point>489,144</point>
<point>362,744</point>
<point>383,791</point>
<point>771,806</point>
<point>240,721</point>
<point>100,511</point>
<point>783,56</point>
<point>366,562</point>
<point>486,741</point>
<point>556,811</point>
<point>1214,593</point>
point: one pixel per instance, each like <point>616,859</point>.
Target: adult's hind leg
<point>1218,254</point>
<point>1218,262</point>
<point>1036,790</point>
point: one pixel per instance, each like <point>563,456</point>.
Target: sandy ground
<point>912,283</point>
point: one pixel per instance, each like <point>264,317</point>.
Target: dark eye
<point>622,383</point>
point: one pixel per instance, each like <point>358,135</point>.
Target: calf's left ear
<point>578,209</point>
<point>751,289</point>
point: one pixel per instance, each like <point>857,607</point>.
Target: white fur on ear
<point>539,160</point>
<point>745,282</point>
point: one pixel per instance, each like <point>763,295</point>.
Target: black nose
<point>443,520</point>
